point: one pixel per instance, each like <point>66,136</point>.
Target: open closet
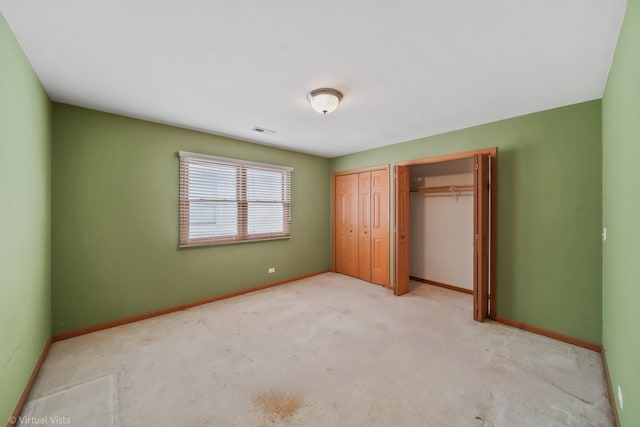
<point>445,225</point>
<point>441,224</point>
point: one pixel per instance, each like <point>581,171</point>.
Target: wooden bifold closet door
<point>346,226</point>
<point>484,241</point>
<point>362,225</point>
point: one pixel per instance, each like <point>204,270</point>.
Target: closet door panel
<point>380,227</point>
<point>352,258</point>
<point>481,231</point>
<point>341,223</point>
<point>364,226</point>
<point>402,230</point>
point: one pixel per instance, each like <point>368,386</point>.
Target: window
<point>226,200</point>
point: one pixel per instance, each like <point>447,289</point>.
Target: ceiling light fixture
<point>324,100</point>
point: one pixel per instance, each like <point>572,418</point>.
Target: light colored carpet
<point>93,403</point>
<point>326,351</point>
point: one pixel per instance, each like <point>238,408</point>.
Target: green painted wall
<point>621,216</point>
<point>25,298</point>
<point>115,220</point>
<point>549,211</point>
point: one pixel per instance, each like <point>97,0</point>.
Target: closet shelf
<point>445,189</point>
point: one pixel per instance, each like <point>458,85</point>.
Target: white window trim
<point>184,238</point>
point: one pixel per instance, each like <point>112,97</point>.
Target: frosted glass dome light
<point>324,100</point>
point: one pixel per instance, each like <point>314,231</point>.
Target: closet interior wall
<point>441,223</point>
<point>361,225</point>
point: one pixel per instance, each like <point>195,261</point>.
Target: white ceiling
<point>407,68</point>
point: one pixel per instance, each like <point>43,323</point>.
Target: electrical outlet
<point>271,270</point>
<point>604,234</point>
<point>620,398</point>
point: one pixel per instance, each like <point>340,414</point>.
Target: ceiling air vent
<point>263,130</point>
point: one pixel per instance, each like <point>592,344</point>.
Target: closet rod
<point>446,189</point>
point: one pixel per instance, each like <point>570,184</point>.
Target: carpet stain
<point>277,406</point>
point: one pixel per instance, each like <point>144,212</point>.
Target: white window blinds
<point>226,200</point>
